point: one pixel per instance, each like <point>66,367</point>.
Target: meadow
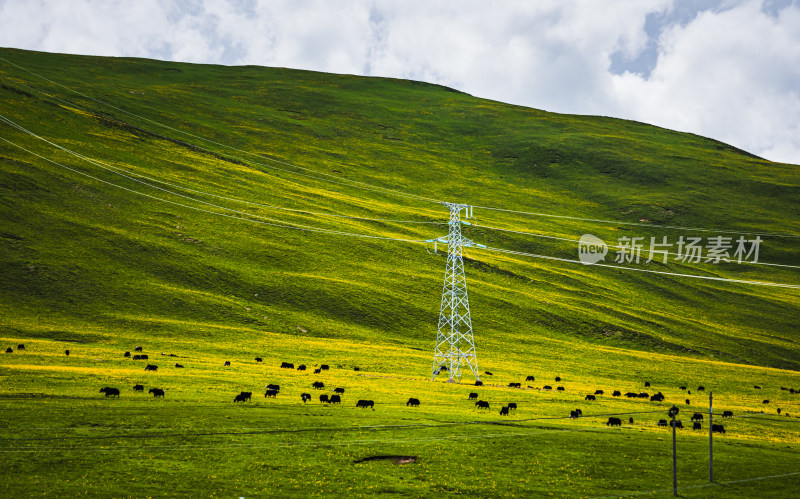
<point>200,211</point>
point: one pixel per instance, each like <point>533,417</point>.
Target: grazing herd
<point>696,418</point>
<point>273,390</point>
<point>114,392</point>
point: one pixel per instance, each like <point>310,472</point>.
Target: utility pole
<point>455,345</point>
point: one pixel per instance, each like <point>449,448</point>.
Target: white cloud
<point>728,72</point>
<point>732,75</point>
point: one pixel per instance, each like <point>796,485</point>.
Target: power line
<point>349,182</point>
<point>101,165</point>
<point>246,161</point>
<point>127,172</point>
<point>506,422</point>
<point>615,246</point>
<point>365,185</point>
<point>321,429</point>
<point>281,224</point>
<point>229,445</point>
<point>702,486</point>
<point>639,224</point>
<point>773,419</point>
<point>677,274</point>
<point>330,231</point>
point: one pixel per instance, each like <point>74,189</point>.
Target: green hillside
<point>170,237</point>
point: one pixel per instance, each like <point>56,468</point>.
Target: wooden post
<point>674,412</point>
<point>710,437</point>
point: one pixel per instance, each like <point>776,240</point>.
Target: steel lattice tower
<point>454,343</point>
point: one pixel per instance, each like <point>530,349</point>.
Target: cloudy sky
<point>727,69</point>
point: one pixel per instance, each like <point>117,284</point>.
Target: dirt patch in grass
<point>394,459</point>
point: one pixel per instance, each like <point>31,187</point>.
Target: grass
<point>97,269</point>
<point>197,440</point>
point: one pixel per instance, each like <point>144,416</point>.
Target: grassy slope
<point>85,262</point>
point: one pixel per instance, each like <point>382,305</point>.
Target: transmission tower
<point>454,343</point>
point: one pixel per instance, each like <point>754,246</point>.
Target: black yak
<point>110,392</point>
